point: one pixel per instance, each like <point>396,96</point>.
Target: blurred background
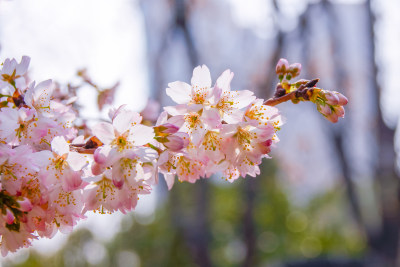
<point>330,194</point>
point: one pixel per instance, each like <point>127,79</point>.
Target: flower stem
<point>278,100</point>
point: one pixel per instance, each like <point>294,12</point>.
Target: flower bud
<point>295,69</point>
<point>332,117</point>
<point>166,128</point>
<point>339,110</point>
<point>9,216</point>
<point>174,143</point>
<point>25,205</point>
<point>331,98</point>
<point>324,109</point>
<point>282,66</point>
<point>342,99</point>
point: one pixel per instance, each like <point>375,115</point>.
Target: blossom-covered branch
<point>53,172</point>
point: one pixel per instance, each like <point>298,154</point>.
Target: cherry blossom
<point>50,177</point>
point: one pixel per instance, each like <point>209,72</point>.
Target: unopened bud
<point>282,66</point>
<point>332,117</point>
<point>25,205</point>
<point>324,109</point>
<point>342,99</point>
<point>339,111</point>
<point>295,69</point>
<point>166,128</point>
<point>9,216</point>
<point>331,98</point>
<point>176,142</point>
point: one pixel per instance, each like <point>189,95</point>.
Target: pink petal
<point>97,169</point>
<point>118,176</point>
<point>179,92</point>
<point>211,118</point>
<point>71,181</point>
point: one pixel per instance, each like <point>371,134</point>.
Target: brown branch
<point>278,100</point>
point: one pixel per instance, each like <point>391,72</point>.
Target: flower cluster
<point>227,131</point>
<point>53,172</point>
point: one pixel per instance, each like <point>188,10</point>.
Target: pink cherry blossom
<point>61,166</point>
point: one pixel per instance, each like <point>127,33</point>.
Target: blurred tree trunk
<point>385,242</point>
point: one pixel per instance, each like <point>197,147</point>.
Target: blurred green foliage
<point>284,231</point>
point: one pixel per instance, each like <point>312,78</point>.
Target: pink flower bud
<point>295,69</point>
<point>324,109</point>
<point>9,216</point>
<point>25,205</point>
<point>174,143</point>
<point>342,99</point>
<point>339,111</point>
<point>282,66</point>
<point>332,118</point>
<point>166,128</point>
<point>331,98</point>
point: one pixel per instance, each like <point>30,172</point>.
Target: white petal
<point>79,140</point>
<point>162,118</point>
<point>169,179</point>
<point>59,146</point>
<point>176,110</point>
<point>104,131</point>
<point>141,134</point>
<point>244,98</point>
<point>39,96</point>
<point>234,116</point>
<point>177,120</point>
<point>125,120</point>
<point>198,135</point>
<point>42,158</point>
<point>23,66</point>
<point>224,81</point>
<point>228,130</point>
<point>77,161</point>
<point>201,77</point>
<point>179,92</point>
